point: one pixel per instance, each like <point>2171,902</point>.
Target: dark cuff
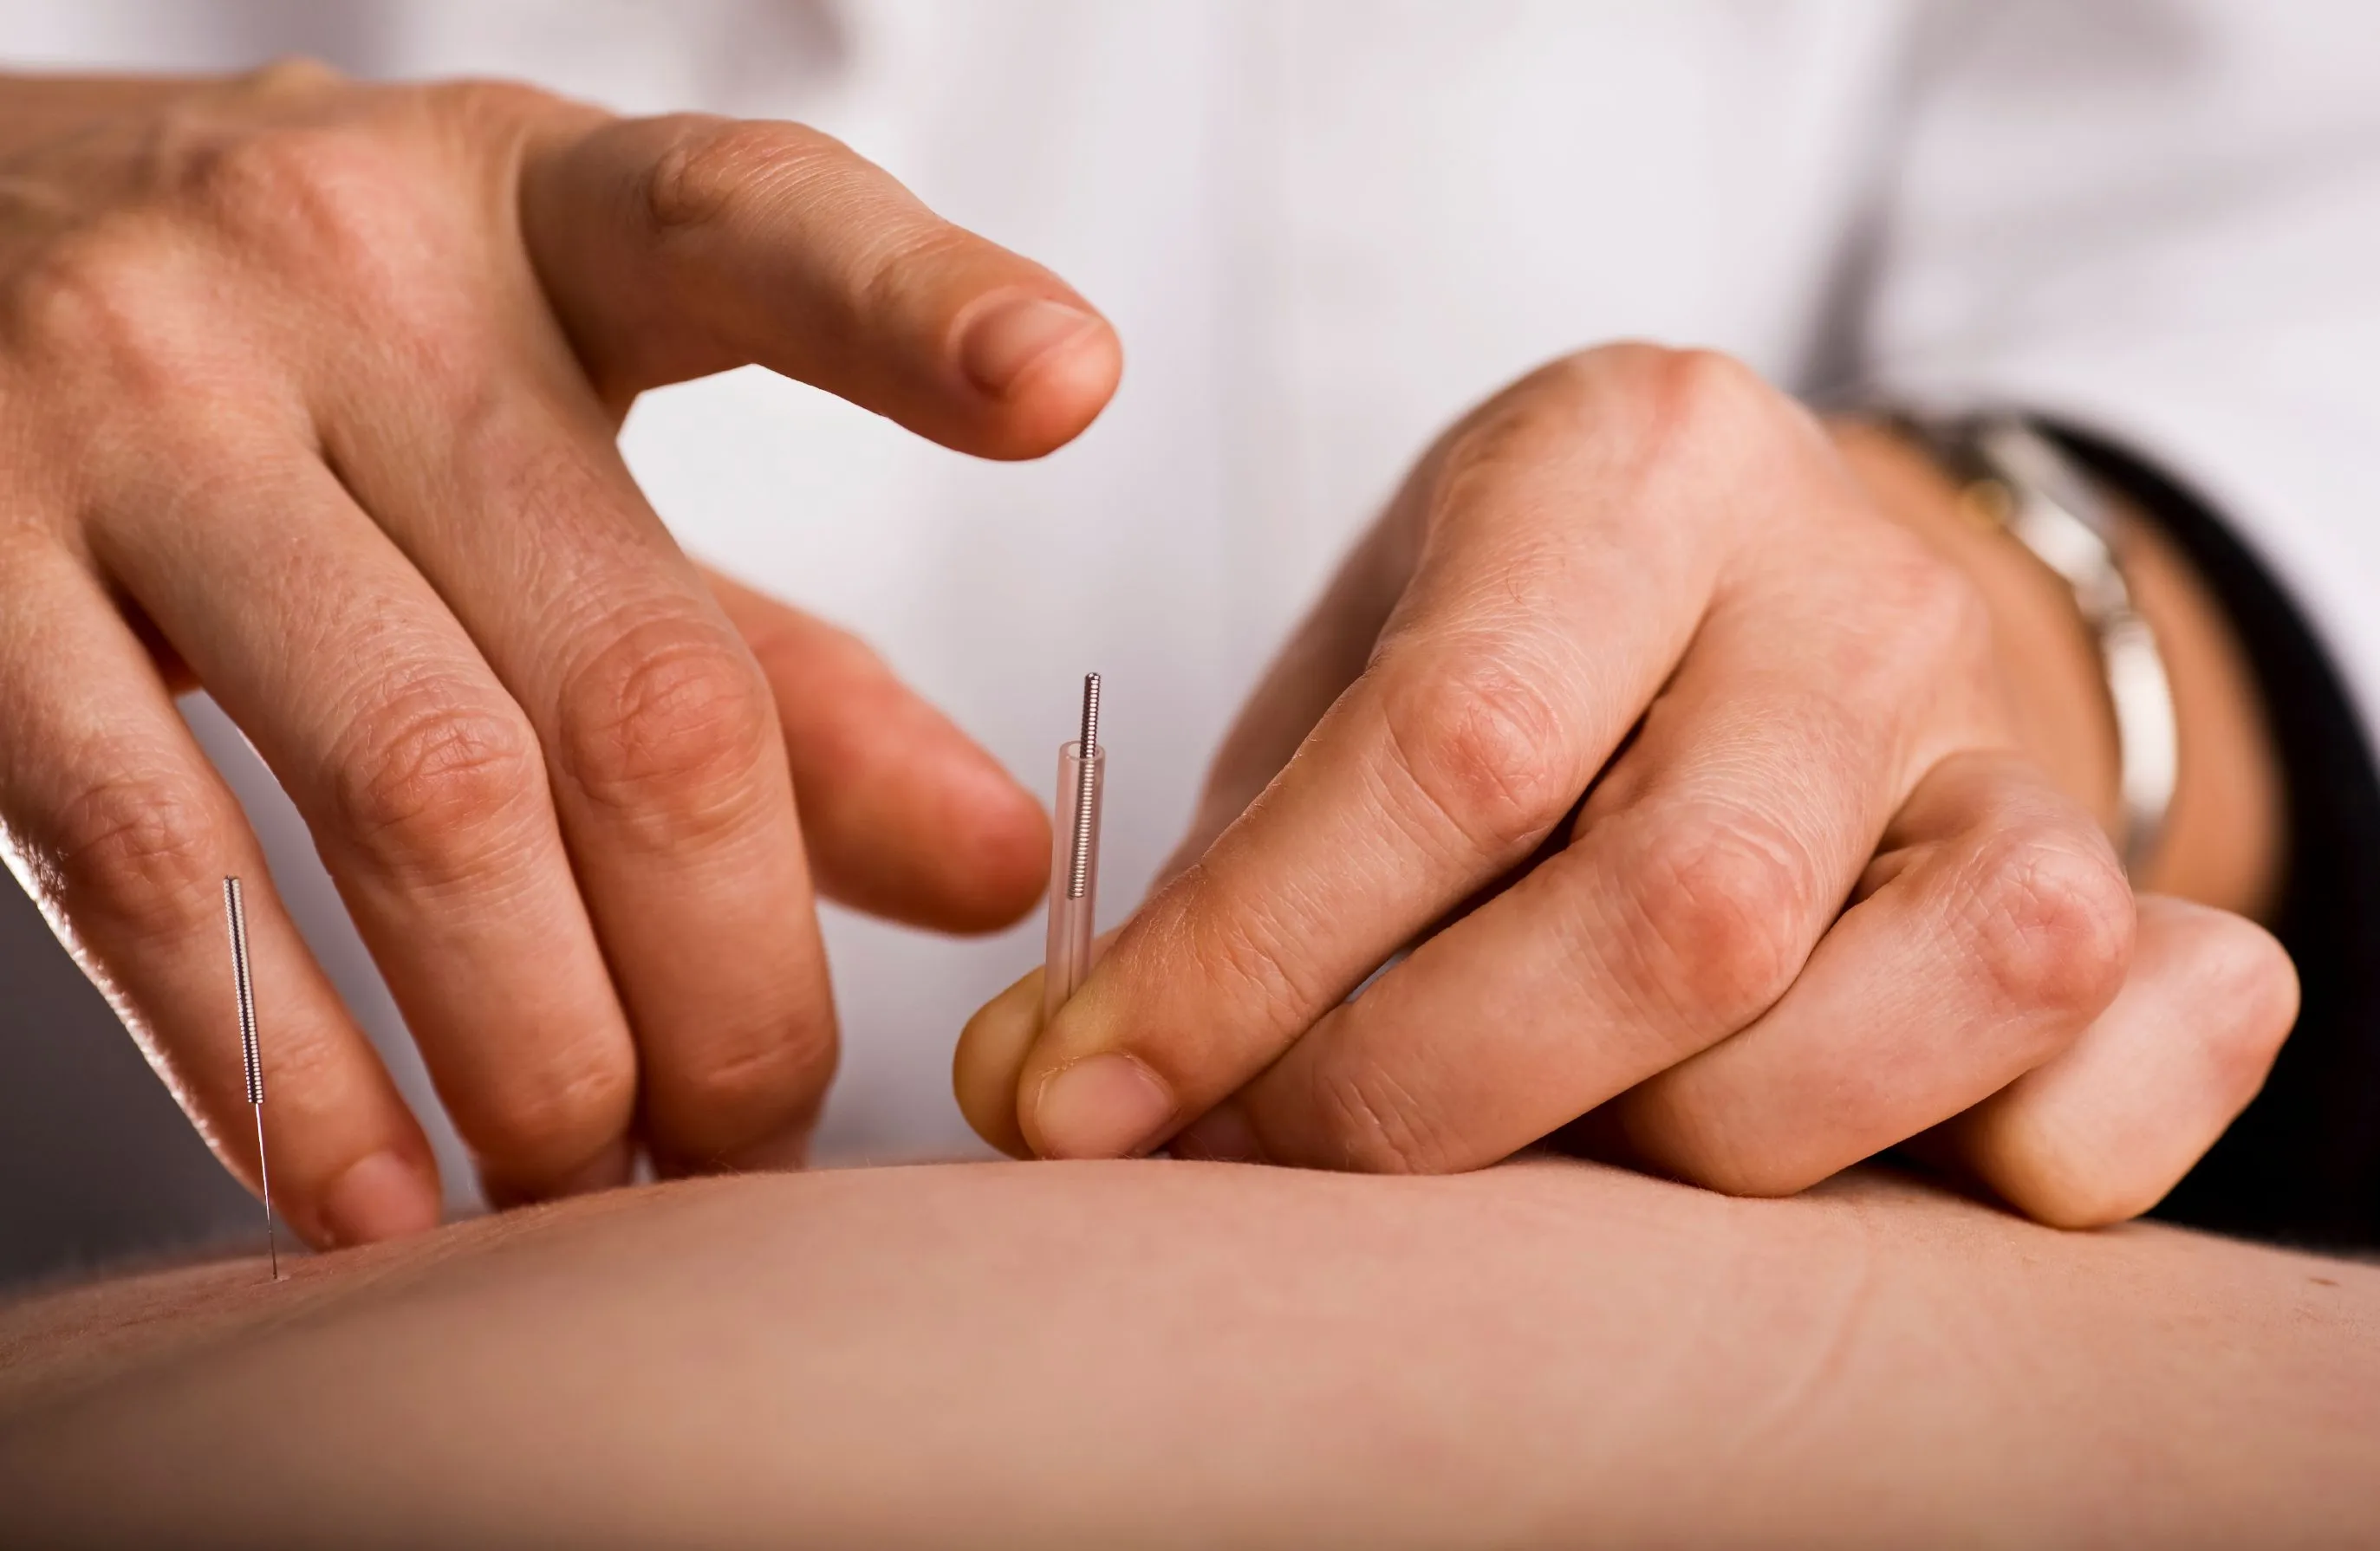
<point>2303,1164</point>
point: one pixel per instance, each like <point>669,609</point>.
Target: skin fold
<point>1550,1352</point>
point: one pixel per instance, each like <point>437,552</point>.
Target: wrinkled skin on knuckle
<point>1720,898</point>
<point>720,180</point>
<point>143,852</point>
<point>1481,741</point>
<point>713,169</point>
<point>2052,925</point>
<point>671,728</point>
<point>436,785</point>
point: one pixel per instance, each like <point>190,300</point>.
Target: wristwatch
<point>2019,481</point>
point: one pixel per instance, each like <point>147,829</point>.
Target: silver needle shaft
<point>251,1062</point>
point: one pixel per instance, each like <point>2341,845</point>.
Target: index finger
<point>1555,591</point>
<point>673,247</point>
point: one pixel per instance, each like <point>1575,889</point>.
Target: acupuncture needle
<point>251,1062</point>
<point>1075,858</point>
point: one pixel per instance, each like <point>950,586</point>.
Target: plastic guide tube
<point>1075,859</point>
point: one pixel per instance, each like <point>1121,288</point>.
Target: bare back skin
<point>1166,1354</point>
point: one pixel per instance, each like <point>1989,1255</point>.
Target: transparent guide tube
<point>1074,875</point>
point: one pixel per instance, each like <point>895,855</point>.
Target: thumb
<point>992,1050</point>
<point>674,247</point>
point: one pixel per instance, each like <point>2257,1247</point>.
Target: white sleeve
<point>2159,221</point>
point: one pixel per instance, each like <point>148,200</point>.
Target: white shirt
<point>1324,227</point>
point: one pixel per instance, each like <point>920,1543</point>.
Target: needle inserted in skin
<point>251,1062</point>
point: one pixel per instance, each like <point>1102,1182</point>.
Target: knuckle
<point>435,781</point>
<point>338,197</point>
<point>143,850</point>
<point>275,172</point>
<point>711,166</point>
<point>497,106</point>
<point>1544,418</point>
<point>1516,430</point>
<point>1722,898</point>
<point>1485,748</point>
<point>1940,616</point>
<point>2053,920</point>
<point>671,727</point>
<point>110,294</point>
<point>1697,400</point>
<point>292,75</point>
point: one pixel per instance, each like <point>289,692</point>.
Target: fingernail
<point>1004,342</point>
<point>382,1197</point>
<point>1222,1134</point>
<point>1109,1106</point>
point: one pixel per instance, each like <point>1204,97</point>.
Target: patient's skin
<point>1165,1353</point>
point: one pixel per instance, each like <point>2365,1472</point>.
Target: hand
<point>1726,809</point>
<point>312,390</point>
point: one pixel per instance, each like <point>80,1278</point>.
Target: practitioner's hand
<point>311,390</point>
<point>1836,882</point>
